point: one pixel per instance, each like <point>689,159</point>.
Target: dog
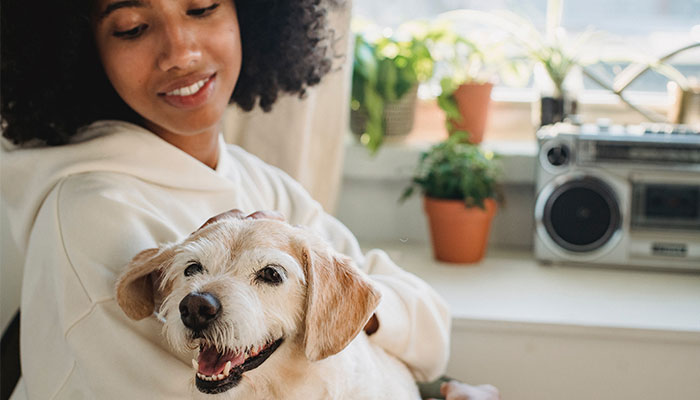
<point>273,310</point>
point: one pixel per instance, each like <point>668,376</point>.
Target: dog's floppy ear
<point>340,300</point>
<point>135,287</point>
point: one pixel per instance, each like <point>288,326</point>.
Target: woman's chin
<point>186,128</point>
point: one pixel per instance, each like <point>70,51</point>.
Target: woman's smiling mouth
<point>188,90</point>
<point>192,95</point>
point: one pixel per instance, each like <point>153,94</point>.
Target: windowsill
<point>509,133</point>
<point>397,160</point>
<point>510,289</point>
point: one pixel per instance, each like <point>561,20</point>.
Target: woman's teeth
<point>188,90</point>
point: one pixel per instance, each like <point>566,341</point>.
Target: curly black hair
<point>52,81</point>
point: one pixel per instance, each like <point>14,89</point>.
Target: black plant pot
<point>556,109</point>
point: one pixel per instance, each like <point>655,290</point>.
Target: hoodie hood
<point>29,174</point>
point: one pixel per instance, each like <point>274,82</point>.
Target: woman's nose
<point>179,49</point>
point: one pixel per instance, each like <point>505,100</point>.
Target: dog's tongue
<point>211,362</point>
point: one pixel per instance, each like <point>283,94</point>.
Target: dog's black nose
<point>197,310</point>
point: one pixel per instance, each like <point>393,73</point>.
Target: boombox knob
<point>558,155</point>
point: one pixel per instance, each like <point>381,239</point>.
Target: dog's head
<point>238,290</point>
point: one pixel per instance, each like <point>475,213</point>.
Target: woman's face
<point>175,62</point>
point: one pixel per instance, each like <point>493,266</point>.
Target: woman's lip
<point>193,100</point>
<point>184,82</point>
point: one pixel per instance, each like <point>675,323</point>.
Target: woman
<point>114,107</point>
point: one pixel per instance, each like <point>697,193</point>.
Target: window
<point>647,28</point>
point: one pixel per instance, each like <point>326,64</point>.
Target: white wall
<point>594,363</point>
<point>368,201</point>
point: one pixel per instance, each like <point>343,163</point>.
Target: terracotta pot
<point>459,234</point>
<point>473,101</point>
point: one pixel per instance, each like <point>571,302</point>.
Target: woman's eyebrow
<point>119,4</point>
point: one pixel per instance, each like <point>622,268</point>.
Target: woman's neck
<point>203,146</point>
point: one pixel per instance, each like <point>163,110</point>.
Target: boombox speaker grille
<point>581,215</point>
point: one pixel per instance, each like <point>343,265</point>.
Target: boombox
<point>618,196</point>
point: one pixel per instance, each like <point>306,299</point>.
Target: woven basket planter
<point>398,116</point>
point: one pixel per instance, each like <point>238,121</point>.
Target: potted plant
<point>459,182</point>
<point>468,67</point>
<point>386,72</point>
<point>551,57</point>
<point>558,77</point>
<point>557,61</point>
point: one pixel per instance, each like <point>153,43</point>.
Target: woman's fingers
<point>235,213</point>
<point>454,390</point>
<point>238,214</point>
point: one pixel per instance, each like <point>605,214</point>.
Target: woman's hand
<point>454,390</point>
<point>236,213</point>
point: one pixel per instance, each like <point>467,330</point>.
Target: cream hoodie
<point>78,213</point>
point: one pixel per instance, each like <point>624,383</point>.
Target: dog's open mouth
<point>218,372</point>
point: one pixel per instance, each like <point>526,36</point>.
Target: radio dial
<point>558,155</point>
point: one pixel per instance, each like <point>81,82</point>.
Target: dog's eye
<point>194,268</point>
<point>270,275</point>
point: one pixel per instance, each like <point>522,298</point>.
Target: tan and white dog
<point>274,312</point>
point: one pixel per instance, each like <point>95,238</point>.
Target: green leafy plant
<point>527,46</point>
<point>559,56</point>
<point>464,61</point>
<point>461,57</point>
<point>455,170</point>
<point>385,68</point>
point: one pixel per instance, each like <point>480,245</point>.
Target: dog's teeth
<point>195,364</point>
<point>227,368</point>
<point>200,376</point>
<point>220,377</point>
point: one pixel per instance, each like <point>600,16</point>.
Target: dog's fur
<point>319,310</point>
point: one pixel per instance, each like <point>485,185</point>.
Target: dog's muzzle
<point>198,310</point>
<point>219,371</point>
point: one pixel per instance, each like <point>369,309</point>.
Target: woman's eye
<point>193,269</point>
<point>201,12</point>
<point>270,275</point>
<point>131,33</point>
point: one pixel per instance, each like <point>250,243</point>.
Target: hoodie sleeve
<point>76,342</point>
<point>414,321</point>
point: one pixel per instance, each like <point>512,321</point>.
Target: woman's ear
<point>135,287</point>
<point>340,300</point>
